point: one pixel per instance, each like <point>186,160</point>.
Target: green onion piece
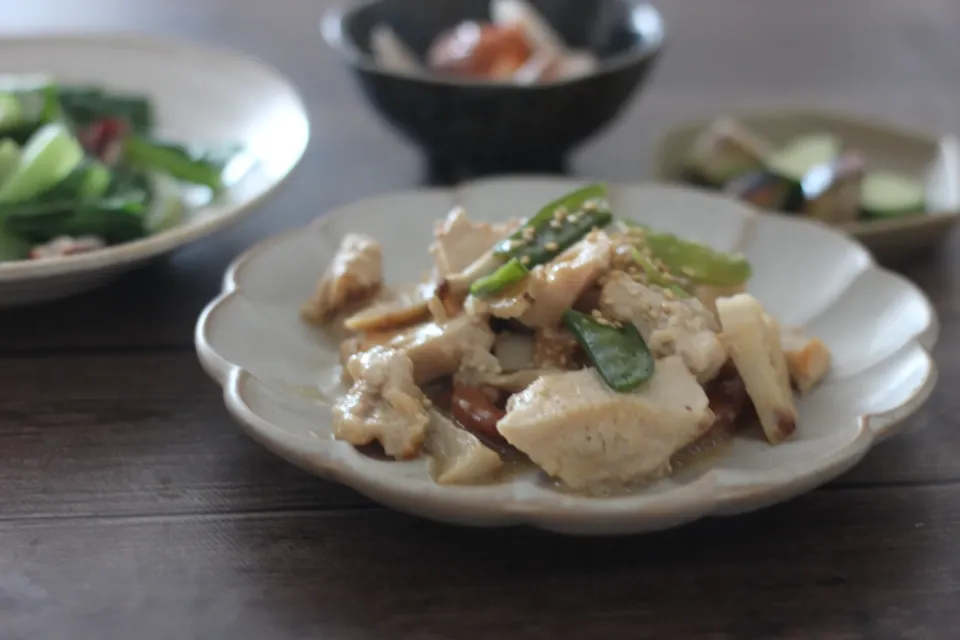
<point>619,353</point>
<point>558,226</point>
<point>509,274</point>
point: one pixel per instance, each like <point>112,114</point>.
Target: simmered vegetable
<point>832,190</point>
<point>726,151</point>
<point>890,195</point>
<point>766,190</point>
<point>803,154</point>
<point>480,50</point>
<point>812,175</point>
<point>516,44</point>
<point>617,351</point>
<point>558,226</point>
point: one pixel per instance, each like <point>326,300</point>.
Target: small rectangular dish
<point>895,189</point>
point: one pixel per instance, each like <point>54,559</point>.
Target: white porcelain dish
<point>878,325</point>
<point>200,94</point>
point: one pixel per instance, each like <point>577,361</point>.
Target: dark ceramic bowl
<point>470,128</point>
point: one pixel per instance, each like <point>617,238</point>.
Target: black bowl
<point>471,128</point>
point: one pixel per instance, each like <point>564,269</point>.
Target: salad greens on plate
<point>81,169</point>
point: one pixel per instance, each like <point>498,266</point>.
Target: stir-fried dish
<point>596,348</point>
<point>517,45</point>
<point>81,169</point>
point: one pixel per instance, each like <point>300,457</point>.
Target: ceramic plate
<point>878,325</point>
<point>200,94</point>
<point>884,146</point>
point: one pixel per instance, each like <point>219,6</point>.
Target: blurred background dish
<point>430,68</point>
<point>197,93</point>
<point>893,188</point>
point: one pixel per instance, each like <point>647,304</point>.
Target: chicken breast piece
<point>808,359</point>
<point>555,286</point>
<point>458,456</point>
<point>461,241</point>
<point>354,275</point>
<point>669,325</point>
<point>383,405</point>
<point>436,350</point>
<point>585,434</point>
<point>754,346</point>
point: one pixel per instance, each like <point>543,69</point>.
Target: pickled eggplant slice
<point>886,194</point>
<point>802,154</point>
<point>832,191</point>
<point>766,190</point>
<point>726,150</point>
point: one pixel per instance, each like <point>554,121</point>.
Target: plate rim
<point>181,235</point>
<point>576,515</point>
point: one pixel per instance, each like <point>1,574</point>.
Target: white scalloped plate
<point>878,325</point>
<point>201,94</point>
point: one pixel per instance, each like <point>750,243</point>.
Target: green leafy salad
<point>81,169</point>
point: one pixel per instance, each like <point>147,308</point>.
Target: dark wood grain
<point>132,507</point>
<point>840,564</point>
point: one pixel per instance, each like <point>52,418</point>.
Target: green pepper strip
<point>619,353</point>
<point>555,232</point>
<point>697,262</point>
<point>509,274</point>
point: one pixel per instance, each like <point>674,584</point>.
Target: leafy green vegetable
<point>181,162</point>
<point>49,156</point>
<point>115,219</point>
<point>79,160</point>
<point>12,247</point>
<point>167,208</point>
<point>618,352</point>
<point>81,204</point>
<point>86,104</point>
<point>26,107</point>
<point>9,158</point>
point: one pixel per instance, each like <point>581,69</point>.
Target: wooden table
<point>132,507</point>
